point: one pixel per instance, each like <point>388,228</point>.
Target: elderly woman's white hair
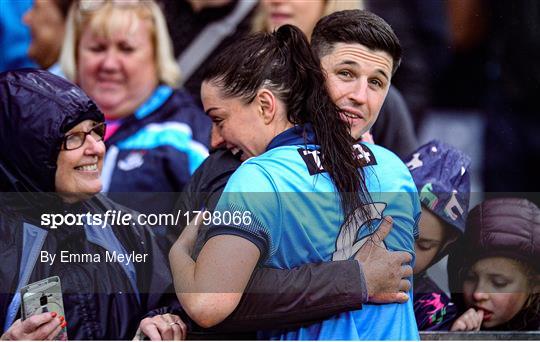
<point>104,18</point>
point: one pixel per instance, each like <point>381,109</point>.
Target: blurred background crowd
<point>469,77</point>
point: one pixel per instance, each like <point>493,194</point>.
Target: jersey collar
<point>297,135</point>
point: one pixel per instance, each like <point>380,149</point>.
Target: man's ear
<point>268,105</point>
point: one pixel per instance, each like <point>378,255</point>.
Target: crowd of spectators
<point>187,106</point>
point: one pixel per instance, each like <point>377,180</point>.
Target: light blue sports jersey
<point>297,219</point>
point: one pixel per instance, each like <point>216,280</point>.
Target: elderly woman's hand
<point>45,326</point>
<point>162,328</point>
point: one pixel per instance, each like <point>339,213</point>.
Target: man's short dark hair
<point>356,26</point>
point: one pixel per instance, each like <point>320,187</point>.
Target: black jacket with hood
<point>102,300</point>
<point>500,227</point>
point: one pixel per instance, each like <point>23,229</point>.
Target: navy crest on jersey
<point>364,154</point>
<point>312,158</point>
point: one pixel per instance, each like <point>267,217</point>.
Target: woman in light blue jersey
<point>301,195</point>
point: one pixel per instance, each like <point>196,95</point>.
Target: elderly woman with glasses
<point>51,158</point>
<point>119,53</point>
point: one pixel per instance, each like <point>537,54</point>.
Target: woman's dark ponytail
<point>312,104</point>
<point>284,63</point>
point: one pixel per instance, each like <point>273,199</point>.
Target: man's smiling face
<point>358,80</point>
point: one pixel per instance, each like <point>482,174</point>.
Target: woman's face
<point>237,126</point>
<point>499,287</point>
<point>118,72</point>
<point>78,171</point>
<point>301,13</point>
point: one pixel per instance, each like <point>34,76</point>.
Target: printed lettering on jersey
<point>364,154</point>
<point>312,158</point>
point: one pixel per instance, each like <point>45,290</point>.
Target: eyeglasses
<point>75,140</point>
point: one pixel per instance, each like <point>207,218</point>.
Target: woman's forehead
<point>117,22</point>
<point>82,126</point>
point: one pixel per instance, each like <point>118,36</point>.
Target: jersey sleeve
<point>250,208</point>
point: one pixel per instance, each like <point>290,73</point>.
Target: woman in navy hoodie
<point>51,155</point>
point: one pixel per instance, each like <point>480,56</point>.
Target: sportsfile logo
<point>125,219</point>
<point>110,217</point>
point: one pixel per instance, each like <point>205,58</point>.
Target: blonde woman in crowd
<point>120,54</point>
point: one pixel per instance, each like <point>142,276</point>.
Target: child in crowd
<point>496,271</point>
<point>442,178</point>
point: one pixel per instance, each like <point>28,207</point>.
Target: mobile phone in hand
<point>43,296</point>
